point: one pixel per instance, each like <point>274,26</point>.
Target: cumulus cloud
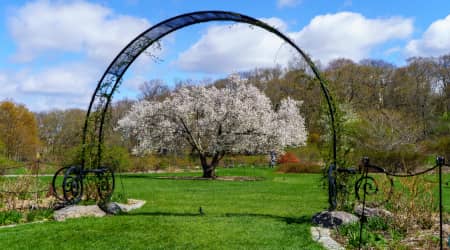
<point>8,87</point>
<point>287,3</point>
<point>49,26</point>
<point>223,49</point>
<point>66,79</point>
<point>53,87</point>
<point>350,35</point>
<point>89,34</point>
<point>435,41</point>
<point>50,102</point>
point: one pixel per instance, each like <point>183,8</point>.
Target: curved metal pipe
<point>129,53</point>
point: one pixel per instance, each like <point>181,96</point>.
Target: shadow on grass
<point>163,214</point>
<point>195,178</point>
<point>138,176</point>
<point>289,220</point>
<point>155,176</point>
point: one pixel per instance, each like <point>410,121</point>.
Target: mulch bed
<point>219,178</point>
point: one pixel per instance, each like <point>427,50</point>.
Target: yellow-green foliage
<point>309,155</point>
<point>413,203</point>
<point>245,160</point>
<point>158,162</point>
<point>301,167</point>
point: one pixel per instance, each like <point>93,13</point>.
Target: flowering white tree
<point>214,122</point>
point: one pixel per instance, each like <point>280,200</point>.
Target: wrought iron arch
<point>96,114</point>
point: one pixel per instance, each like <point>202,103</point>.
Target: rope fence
<point>440,162</point>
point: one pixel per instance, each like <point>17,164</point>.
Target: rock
<point>372,212</point>
<point>446,229</point>
<point>78,211</point>
<point>330,219</point>
<point>132,204</point>
<point>111,208</point>
<point>323,236</point>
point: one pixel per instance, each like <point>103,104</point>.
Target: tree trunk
<point>209,170</point>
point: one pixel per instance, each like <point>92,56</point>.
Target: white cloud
<point>326,37</point>
<point>38,103</point>
<point>435,41</point>
<point>63,86</point>
<point>349,35</point>
<point>67,79</point>
<point>287,3</point>
<point>90,33</point>
<point>8,88</point>
<point>224,49</point>
<point>57,26</point>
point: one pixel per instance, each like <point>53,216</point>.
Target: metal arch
<point>112,77</point>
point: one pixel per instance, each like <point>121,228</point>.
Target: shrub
<point>115,157</point>
<point>10,217</point>
<point>6,163</point>
<point>246,160</point>
<point>313,138</point>
<point>371,237</point>
<point>413,208</point>
<point>310,152</point>
<point>439,146</point>
<point>303,167</point>
<point>39,214</point>
<point>413,204</point>
<point>377,233</point>
<point>158,162</point>
<point>20,192</point>
<point>405,158</point>
<point>15,216</point>
<point>288,157</point>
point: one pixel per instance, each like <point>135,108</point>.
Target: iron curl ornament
<point>376,190</point>
<point>68,183</point>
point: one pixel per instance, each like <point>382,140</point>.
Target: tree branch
<point>188,132</point>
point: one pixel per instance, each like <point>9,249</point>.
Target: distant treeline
<point>399,116</point>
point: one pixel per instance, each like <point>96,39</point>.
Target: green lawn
<point>271,214</point>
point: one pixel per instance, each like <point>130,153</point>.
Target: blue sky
<point>53,52</point>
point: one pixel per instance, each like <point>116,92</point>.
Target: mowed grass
<point>274,213</point>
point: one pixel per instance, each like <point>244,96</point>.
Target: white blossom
<point>236,119</point>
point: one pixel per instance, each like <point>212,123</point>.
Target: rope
<point>440,162</point>
<point>8,168</point>
<point>411,175</point>
<point>29,164</point>
<point>24,192</point>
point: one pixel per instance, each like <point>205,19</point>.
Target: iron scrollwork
<point>366,186</point>
<point>369,186</point>
<point>68,183</point>
<point>105,183</point>
<point>72,185</point>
